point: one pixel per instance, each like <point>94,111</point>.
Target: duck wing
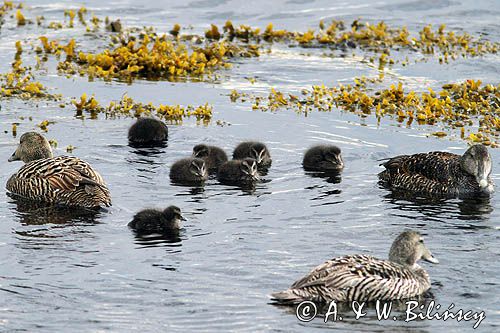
<point>357,277</point>
<point>437,166</point>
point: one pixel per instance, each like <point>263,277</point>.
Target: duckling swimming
<point>189,170</point>
<point>441,173</point>
<point>63,180</point>
<point>148,132</point>
<point>213,156</point>
<point>255,150</point>
<point>153,220</point>
<point>238,171</point>
<point>323,158</point>
<point>366,278</point>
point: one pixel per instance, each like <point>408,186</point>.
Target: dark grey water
<point>89,273</point>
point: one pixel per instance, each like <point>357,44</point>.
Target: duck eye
<point>421,240</point>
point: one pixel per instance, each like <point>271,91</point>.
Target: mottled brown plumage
<point>60,180</point>
<point>366,278</point>
<point>441,173</point>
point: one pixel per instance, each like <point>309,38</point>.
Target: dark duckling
<point>255,150</point>
<point>213,156</point>
<point>441,173</point>
<point>325,158</point>
<point>238,172</point>
<point>153,220</point>
<point>148,132</point>
<point>189,170</point>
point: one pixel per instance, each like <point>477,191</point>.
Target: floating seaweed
<point>20,83</point>
<point>371,37</point>
<point>456,106</point>
<point>158,59</point>
<point>127,107</point>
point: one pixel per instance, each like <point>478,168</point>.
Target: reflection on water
<point>171,239</point>
<point>437,208</point>
<point>147,148</point>
<point>32,212</point>
<point>346,312</point>
<point>89,272</point>
<point>330,177</point>
<point>325,190</point>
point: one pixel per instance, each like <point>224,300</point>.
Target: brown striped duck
<point>365,278</point>
<point>62,180</point>
<point>441,173</point>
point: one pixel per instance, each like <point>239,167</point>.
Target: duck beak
<point>427,256</point>
<point>483,173</point>
<point>13,157</point>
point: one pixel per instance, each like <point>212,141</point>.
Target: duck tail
<point>100,195</point>
<point>288,297</point>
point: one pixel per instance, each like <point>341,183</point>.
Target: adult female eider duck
<point>441,173</point>
<point>365,278</point>
<point>63,180</point>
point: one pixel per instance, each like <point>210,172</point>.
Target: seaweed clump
<point>19,82</point>
<point>456,106</point>
<point>127,107</point>
<point>158,59</point>
<point>378,37</point>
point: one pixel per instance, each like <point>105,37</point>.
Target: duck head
<point>333,156</point>
<point>173,213</point>
<point>259,152</point>
<point>201,151</point>
<point>198,168</point>
<point>476,161</point>
<point>32,146</point>
<point>249,169</point>
<point>408,248</point>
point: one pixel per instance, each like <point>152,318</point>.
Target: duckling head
<point>259,152</point>
<point>32,146</point>
<point>408,248</point>
<point>201,151</point>
<point>173,213</point>
<point>198,168</point>
<point>333,155</point>
<point>248,167</point>
<point>476,161</point>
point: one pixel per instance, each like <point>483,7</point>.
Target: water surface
<point>66,272</point>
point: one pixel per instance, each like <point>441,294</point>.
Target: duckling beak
<point>13,157</point>
<point>182,218</point>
